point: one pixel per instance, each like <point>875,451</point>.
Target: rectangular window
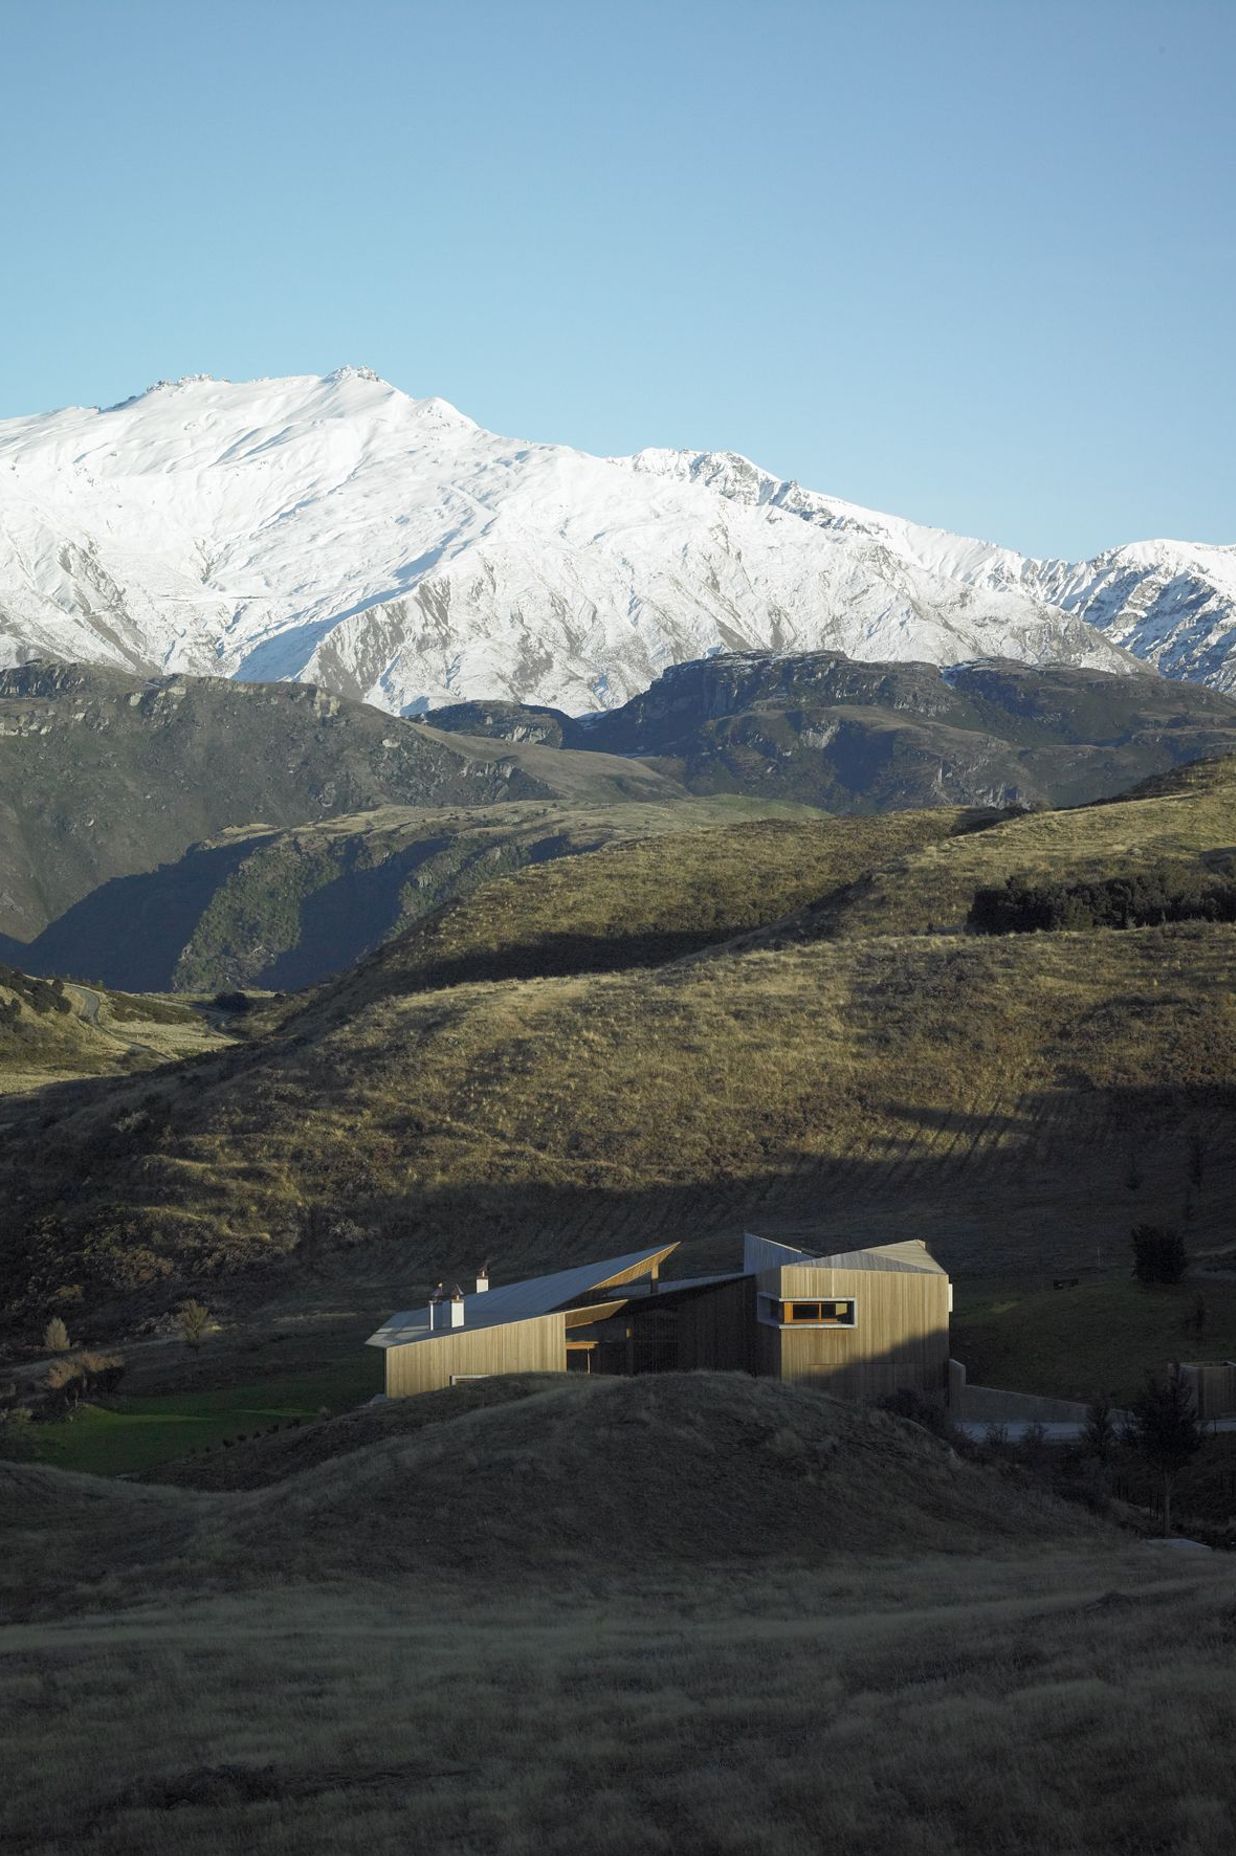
<point>817,1313</point>
<point>799,1313</point>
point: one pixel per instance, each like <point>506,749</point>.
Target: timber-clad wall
<point>900,1338</point>
<point>537,1346</point>
<point>716,1329</point>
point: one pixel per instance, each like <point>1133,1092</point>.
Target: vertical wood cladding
<point>900,1336</point>
<point>716,1329</point>
<point>537,1346</point>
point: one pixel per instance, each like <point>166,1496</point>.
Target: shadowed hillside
<point>103,774</point>
<point>283,909</point>
<point>864,737</point>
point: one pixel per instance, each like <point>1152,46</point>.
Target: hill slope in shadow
<point>868,737</point>
<point>103,774</point>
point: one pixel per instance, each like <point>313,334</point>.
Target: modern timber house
<point>860,1324</point>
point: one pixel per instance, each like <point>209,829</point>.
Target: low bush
<point>1144,899</point>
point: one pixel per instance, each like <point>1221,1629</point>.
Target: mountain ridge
<point>334,530</point>
<point>831,731</point>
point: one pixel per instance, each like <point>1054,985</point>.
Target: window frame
<point>773,1312</point>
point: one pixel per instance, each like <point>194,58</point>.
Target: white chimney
<point>457,1311</point>
<point>482,1283</point>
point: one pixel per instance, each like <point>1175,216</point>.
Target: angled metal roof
<point>867,1260</point>
<point>913,1254</point>
<point>761,1253</point>
<point>519,1301</point>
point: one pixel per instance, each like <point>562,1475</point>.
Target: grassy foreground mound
<point>659,1615</point>
<point>541,1473</point>
<point>533,1480</point>
<point>692,1469</point>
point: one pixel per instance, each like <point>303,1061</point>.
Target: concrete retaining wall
<point>992,1405</point>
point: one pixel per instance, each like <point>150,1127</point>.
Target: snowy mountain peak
<point>333,529</point>
<point>159,386</point>
<point>349,371</point>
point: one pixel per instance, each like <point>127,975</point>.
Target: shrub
<point>1166,1430</point>
<point>233,1001</point>
<point>17,1438</point>
<point>1158,1254</point>
<point>906,1403</point>
<point>193,1322</point>
<point>101,1372</point>
<point>56,1336</point>
<point>1099,1434</point>
<point>1033,1443</point>
<point>1144,899</point>
<point>65,1384</point>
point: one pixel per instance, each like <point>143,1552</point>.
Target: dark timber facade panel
<point>716,1329</point>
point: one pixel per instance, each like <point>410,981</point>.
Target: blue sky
<point>970,263</point>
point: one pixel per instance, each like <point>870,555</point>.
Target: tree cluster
<point>82,1376</point>
<point>1166,1430</point>
<point>1144,899</point>
<point>1158,1254</point>
<point>39,996</point>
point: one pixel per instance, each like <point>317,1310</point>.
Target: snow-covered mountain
<point>336,531</point>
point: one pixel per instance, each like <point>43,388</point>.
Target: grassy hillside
<point>994,1097</point>
<point>1103,1336</point>
<point>283,909</point>
<point>1185,823</point>
<point>56,1032</point>
<point>651,901</point>
<point>513,1074</point>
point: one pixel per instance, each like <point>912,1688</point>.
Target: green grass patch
<point>1101,1337</point>
<point>139,1433</point>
